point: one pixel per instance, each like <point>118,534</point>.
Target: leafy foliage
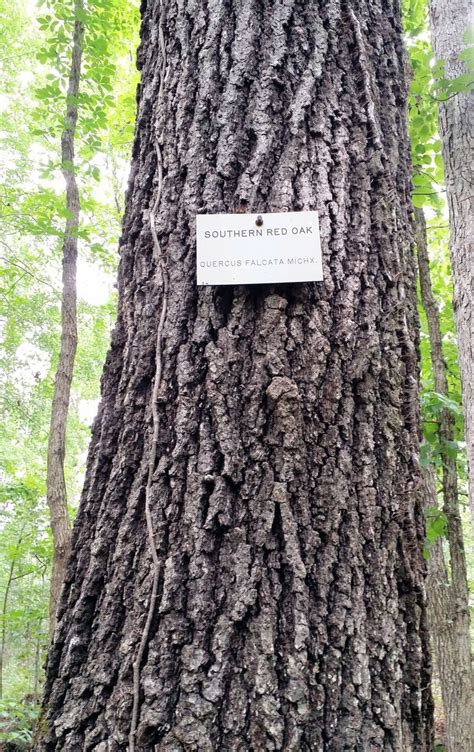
<point>36,45</point>
<point>429,87</point>
<point>428,192</point>
<point>17,722</point>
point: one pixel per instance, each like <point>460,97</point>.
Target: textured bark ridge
<point>290,610</point>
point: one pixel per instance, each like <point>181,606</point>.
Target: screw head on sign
<point>259,221</point>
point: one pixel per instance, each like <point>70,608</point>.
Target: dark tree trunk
<point>281,605</point>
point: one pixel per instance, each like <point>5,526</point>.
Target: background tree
<point>265,437</point>
<point>36,47</point>
<point>448,596</point>
<point>56,482</point>
<point>452,34</point>
<point>443,452</point>
<point>86,26</point>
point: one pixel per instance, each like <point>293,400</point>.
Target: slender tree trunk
<point>37,668</point>
<point>56,485</point>
<point>450,20</point>
<point>449,599</point>
<point>6,595</point>
<point>3,644</point>
<point>246,568</point>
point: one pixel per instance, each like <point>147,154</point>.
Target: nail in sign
<point>247,249</point>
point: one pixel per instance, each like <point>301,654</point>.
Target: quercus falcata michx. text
<point>246,568</point>
<point>257,243</point>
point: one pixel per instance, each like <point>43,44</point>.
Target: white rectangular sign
<point>247,249</point>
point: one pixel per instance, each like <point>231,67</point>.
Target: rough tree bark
<point>281,605</point>
<point>55,482</point>
<point>448,597</point>
<point>450,20</point>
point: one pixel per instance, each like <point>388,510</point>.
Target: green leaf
<point>419,200</point>
<point>436,524</point>
<point>451,448</point>
<point>426,455</point>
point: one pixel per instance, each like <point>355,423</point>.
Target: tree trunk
<point>55,482</point>
<point>6,595</point>
<point>450,20</point>
<point>246,568</point>
<point>448,599</point>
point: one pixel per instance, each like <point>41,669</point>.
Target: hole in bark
<point>152,734</point>
<point>223,300</point>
